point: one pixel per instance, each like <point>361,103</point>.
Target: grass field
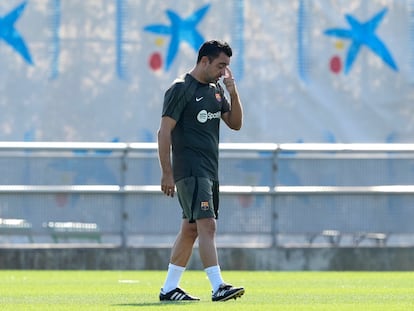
<point>138,290</point>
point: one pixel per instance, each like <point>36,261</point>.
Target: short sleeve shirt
<point>197,108</point>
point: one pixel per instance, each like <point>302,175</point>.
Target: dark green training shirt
<point>197,108</point>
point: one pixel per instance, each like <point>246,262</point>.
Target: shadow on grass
<point>155,304</point>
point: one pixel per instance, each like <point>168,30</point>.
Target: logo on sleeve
<point>218,97</point>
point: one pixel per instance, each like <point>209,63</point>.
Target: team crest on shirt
<point>218,97</point>
<point>205,206</point>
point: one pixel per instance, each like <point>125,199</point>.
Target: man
<point>193,107</point>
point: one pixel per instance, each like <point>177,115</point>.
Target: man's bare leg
<point>208,251</point>
<point>180,255</point>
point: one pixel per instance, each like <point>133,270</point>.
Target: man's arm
<point>164,155</point>
<point>233,118</point>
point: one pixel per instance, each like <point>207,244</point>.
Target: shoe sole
<point>234,296</point>
<point>182,300</point>
<point>178,300</point>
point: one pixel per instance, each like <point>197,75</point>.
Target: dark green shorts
<point>199,197</point>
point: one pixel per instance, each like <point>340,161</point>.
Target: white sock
<point>214,275</point>
<point>173,278</point>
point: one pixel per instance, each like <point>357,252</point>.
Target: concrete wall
<point>321,259</point>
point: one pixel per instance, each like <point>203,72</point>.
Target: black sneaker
<point>226,292</point>
<point>177,295</point>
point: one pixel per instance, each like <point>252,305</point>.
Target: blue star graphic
<point>180,30</point>
<point>363,34</point>
<point>10,34</point>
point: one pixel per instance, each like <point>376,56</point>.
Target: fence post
<point>124,214</point>
<point>274,215</point>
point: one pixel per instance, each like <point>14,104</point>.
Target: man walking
<point>190,123</point>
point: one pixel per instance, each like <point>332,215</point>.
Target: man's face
<point>216,68</point>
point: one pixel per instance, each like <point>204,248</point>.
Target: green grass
<point>138,290</point>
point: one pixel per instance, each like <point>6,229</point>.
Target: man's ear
<point>205,60</point>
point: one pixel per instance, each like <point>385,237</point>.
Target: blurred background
<point>307,70</point>
<point>324,157</point>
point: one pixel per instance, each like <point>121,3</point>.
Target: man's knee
<point>206,226</point>
<point>189,231</point>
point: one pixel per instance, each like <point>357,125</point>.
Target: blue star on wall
<point>180,30</point>
<point>363,34</point>
<point>10,34</point>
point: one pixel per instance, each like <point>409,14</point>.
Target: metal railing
<point>273,194</point>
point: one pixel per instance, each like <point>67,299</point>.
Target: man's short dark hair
<point>213,48</point>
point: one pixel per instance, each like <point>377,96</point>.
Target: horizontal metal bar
<point>230,190</point>
<point>58,146</point>
<point>269,147</point>
<point>86,189</point>
<point>143,146</point>
<point>355,147</point>
<point>146,189</point>
<point>303,190</point>
<point>386,189</point>
<point>245,189</point>
<point>50,189</point>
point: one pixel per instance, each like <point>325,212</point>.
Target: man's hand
<point>228,81</point>
<point>234,117</point>
<point>168,185</point>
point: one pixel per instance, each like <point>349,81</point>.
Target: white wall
<point>89,77</point>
